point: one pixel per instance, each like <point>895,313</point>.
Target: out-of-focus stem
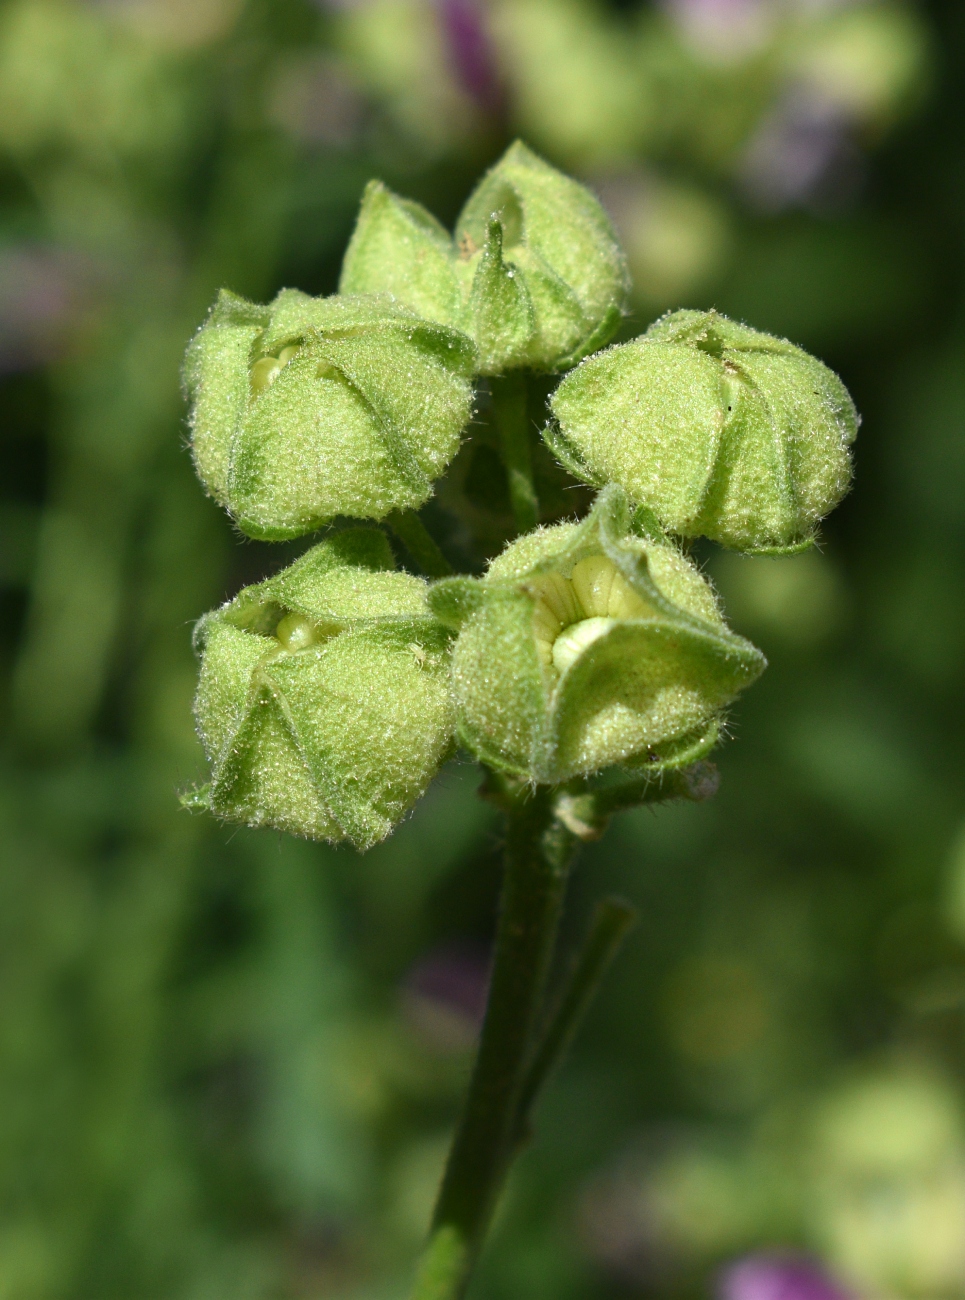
<point>613,920</point>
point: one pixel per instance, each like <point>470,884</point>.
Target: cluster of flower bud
<point>330,694</point>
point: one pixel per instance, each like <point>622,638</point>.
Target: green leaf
<point>452,600</point>
<point>215,378</point>
<point>498,684</point>
<point>643,686</point>
<point>557,234</point>
<point>648,416</point>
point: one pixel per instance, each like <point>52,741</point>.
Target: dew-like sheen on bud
<point>588,645</point>
<point>315,407</point>
<point>323,702</point>
<point>722,431</point>
<point>534,273</point>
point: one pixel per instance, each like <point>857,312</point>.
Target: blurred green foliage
<point>230,1061</point>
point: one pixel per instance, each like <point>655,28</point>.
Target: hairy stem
<point>538,853</point>
<point>511,418</point>
<point>587,813</point>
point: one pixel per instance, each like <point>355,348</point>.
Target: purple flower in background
<point>724,29</point>
<point>43,293</point>
<point>471,52</point>
<point>315,99</point>
<point>801,155</point>
<point>444,995</point>
<point>778,1277</point>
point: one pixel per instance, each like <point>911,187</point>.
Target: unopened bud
<point>316,407</point>
<point>534,274</point>
<point>587,645</point>
<point>722,431</point>
<point>323,702</point>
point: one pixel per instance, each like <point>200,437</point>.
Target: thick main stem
<point>538,853</point>
<point>511,418</point>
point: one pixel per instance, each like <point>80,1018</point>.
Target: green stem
<point>420,543</point>
<point>611,923</point>
<point>511,418</point>
<point>538,853</point>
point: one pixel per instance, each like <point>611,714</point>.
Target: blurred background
<point>230,1060</point>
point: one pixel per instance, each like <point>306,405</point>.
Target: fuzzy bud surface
<point>323,702</point>
<point>534,273</point>
<point>722,431</point>
<point>315,407</point>
<point>588,645</point>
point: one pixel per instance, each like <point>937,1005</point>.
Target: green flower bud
<point>323,703</point>
<point>588,645</point>
<point>316,407</point>
<point>722,431</point>
<point>534,274</point>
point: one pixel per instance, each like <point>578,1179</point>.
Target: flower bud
<point>723,432</point>
<point>535,273</point>
<point>400,249</point>
<point>323,703</point>
<point>316,407</point>
<point>588,645</point>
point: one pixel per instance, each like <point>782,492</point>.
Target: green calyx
<point>722,431</point>
<point>323,702</point>
<point>315,407</point>
<point>589,645</point>
<point>534,273</point>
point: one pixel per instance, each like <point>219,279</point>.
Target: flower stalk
<point>419,542</point>
<point>511,418</point>
<point>539,850</point>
